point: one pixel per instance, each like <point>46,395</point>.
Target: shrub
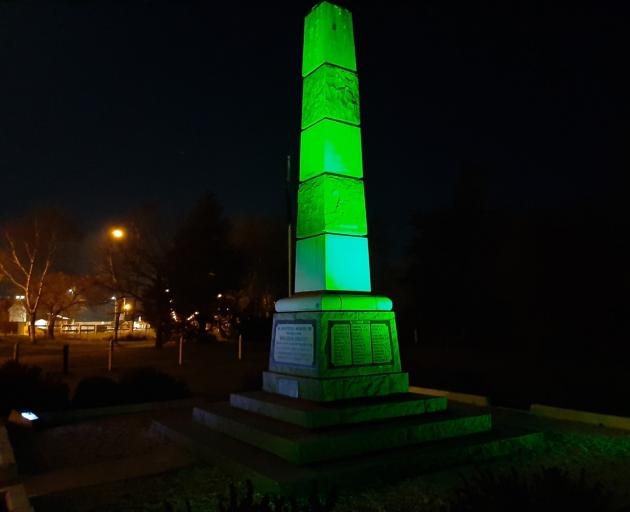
<point>550,490</point>
<point>137,386</point>
<point>150,385</point>
<point>97,392</point>
<point>28,388</point>
<point>250,503</point>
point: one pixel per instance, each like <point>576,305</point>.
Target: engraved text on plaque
<point>295,344</point>
<point>381,343</point>
<point>340,348</point>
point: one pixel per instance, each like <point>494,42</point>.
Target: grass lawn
<point>211,370</point>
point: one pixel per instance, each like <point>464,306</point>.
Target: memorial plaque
<point>361,345</point>
<point>381,343</point>
<point>295,344</point>
<point>340,345</point>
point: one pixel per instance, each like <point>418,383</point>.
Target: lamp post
<point>117,308</point>
<point>127,308</point>
<point>116,234</point>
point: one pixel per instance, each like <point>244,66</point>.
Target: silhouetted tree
<point>28,251</point>
<point>136,267</point>
<point>63,294</point>
<point>202,263</point>
<point>260,244</point>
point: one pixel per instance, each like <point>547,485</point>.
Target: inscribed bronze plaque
<point>361,346</point>
<point>340,345</point>
<point>381,343</point>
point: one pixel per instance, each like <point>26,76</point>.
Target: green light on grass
<point>328,37</point>
<point>331,146</point>
<point>333,263</point>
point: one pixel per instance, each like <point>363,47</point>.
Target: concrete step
<point>305,446</point>
<point>273,474</point>
<point>309,414</point>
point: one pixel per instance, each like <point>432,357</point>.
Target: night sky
<point>105,106</point>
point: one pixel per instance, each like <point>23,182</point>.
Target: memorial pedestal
<point>326,355</point>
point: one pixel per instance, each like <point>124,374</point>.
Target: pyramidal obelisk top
<point>328,38</point>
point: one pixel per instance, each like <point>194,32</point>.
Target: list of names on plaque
<point>294,344</point>
<point>381,343</point>
<point>361,346</point>
<point>341,350</point>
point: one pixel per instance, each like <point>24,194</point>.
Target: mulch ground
<point>602,454</point>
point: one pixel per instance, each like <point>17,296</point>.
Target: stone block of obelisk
<point>333,339</point>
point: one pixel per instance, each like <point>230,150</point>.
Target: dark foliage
<point>550,490</point>
<point>248,502</point>
<point>150,385</point>
<point>256,329</point>
<point>554,281</point>
<point>97,392</point>
<point>169,507</point>
<point>517,290</point>
<point>137,386</point>
<point>28,388</point>
<point>202,264</point>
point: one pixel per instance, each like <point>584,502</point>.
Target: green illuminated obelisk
<point>332,340</point>
<point>335,405</point>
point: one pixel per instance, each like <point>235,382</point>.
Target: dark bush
<point>133,337</point>
<point>25,387</point>
<point>550,490</point>
<point>150,385</point>
<point>248,502</point>
<point>97,392</point>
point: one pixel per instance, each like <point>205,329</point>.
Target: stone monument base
<point>284,444</point>
<point>330,389</point>
<point>335,407</point>
<point>332,346</point>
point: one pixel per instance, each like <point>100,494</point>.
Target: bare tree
<point>27,253</point>
<point>63,294</point>
<point>134,266</point>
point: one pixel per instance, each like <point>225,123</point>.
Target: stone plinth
<point>241,455</point>
<point>340,388</point>
<point>311,414</point>
<point>301,446</point>
<point>334,355</point>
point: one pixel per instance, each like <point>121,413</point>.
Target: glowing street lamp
<point>117,233</point>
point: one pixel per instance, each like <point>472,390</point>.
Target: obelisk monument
<point>335,406</point>
<point>333,339</point>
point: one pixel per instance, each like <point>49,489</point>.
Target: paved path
<point>158,461</point>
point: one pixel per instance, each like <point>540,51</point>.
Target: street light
<point>117,233</point>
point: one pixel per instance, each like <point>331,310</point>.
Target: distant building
<point>18,313</point>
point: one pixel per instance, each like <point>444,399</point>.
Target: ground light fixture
<point>23,418</point>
